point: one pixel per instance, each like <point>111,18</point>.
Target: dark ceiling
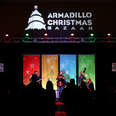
<point>23,1</point>
<point>14,14</point>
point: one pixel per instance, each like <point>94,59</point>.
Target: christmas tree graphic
<point>36,20</point>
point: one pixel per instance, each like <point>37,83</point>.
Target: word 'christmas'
<point>70,22</point>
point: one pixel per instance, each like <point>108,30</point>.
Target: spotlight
<point>6,35</point>
<point>26,37</point>
<point>45,34</point>
<point>72,34</point>
<point>108,34</point>
<point>91,34</point>
<point>27,34</point>
<point>109,37</point>
<point>91,37</point>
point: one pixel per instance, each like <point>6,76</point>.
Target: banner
<point>49,69</point>
<point>68,66</point>
<point>87,62</point>
<point>31,63</point>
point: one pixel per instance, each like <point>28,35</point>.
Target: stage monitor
<point>86,69</point>
<point>31,63</point>
<point>68,67</point>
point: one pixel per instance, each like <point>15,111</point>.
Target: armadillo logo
<point>36,20</point>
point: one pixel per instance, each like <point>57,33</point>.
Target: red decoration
<point>31,63</point>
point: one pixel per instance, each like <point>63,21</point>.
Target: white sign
<point>69,21</point>
<point>60,21</point>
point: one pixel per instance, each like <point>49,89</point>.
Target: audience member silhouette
<point>72,96</point>
<point>50,98</point>
<point>69,97</point>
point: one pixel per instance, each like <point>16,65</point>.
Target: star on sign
<point>36,7</point>
<point>27,71</point>
<point>31,65</point>
<point>52,67</point>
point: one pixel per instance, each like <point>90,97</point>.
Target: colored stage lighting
<point>109,37</point>
<point>92,37</point>
<point>108,34</point>
<point>31,63</point>
<point>68,66</point>
<point>26,37</point>
<point>91,34</point>
<point>27,34</point>
<point>86,67</point>
<point>45,34</point>
<point>49,68</point>
<point>72,34</point>
<point>6,35</point>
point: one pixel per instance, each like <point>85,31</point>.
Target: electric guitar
<point>39,80</point>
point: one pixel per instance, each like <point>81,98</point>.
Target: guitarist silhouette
<point>82,76</point>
